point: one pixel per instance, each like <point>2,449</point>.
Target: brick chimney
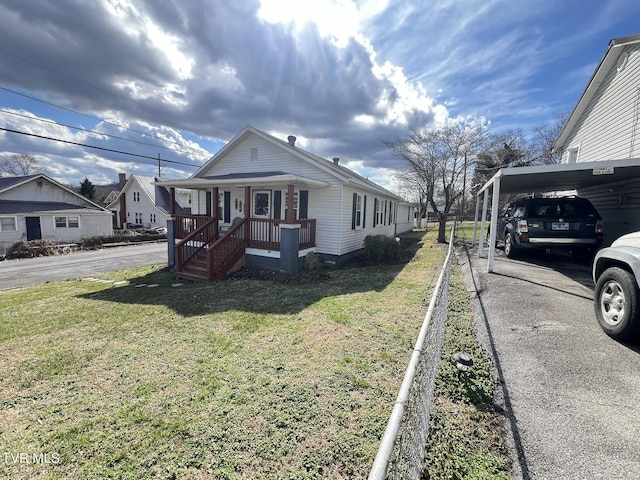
<point>122,177</point>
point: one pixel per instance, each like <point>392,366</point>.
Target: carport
<point>548,178</point>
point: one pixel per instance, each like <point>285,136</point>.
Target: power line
<point>92,131</point>
<point>91,116</point>
<point>17,57</point>
<point>97,148</point>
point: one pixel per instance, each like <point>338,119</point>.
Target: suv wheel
<point>616,304</point>
<point>509,245</point>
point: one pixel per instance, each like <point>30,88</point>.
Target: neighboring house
<point>37,207</point>
<point>113,194</point>
<point>278,203</point>
<point>143,204</point>
<point>605,126</point>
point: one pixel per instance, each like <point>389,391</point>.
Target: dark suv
<point>566,223</point>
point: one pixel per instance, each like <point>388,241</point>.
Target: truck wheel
<point>509,246</point>
<point>616,304</point>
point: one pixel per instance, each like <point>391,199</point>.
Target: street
<point>31,271</point>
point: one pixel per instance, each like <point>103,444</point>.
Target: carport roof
<point>565,176</point>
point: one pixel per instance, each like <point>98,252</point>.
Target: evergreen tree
<point>87,189</point>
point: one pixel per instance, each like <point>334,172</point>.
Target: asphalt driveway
<point>571,395</point>
<point>31,271</point>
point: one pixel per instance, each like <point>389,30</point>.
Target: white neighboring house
<point>143,204</point>
<point>274,187</point>
<point>605,126</point>
<point>35,207</point>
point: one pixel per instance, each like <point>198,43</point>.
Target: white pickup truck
<point>616,273</point>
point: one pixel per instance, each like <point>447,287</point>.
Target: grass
<point>135,377</point>
<point>465,433</point>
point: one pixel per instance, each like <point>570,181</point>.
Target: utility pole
<point>159,173</point>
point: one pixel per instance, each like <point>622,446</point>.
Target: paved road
<point>30,271</point>
<point>571,394</point>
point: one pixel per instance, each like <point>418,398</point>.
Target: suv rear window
<point>559,207</point>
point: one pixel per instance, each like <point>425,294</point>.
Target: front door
<point>33,228</point>
<point>262,203</point>
<point>261,209</point>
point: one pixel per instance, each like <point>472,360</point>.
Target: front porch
<point>206,248</point>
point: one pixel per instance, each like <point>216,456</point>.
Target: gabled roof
<point>338,171</point>
<point>610,60</point>
<point>12,207</point>
<point>9,183</point>
<point>156,194</point>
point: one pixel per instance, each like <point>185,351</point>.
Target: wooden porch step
<point>191,277</point>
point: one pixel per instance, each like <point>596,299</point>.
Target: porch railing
<point>186,224</point>
<point>265,233</point>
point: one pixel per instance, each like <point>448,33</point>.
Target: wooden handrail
<point>222,252</point>
<point>195,242</point>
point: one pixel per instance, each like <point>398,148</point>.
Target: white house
<point>142,203</point>
<point>605,126</point>
<point>37,207</point>
<point>281,203</point>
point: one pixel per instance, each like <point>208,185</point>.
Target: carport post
<point>475,222</point>
<point>494,222</point>
<point>482,223</point>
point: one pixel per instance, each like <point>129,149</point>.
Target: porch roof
<point>254,179</point>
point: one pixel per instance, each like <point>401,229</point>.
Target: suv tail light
<point>599,226</point>
<point>599,230</point>
<point>523,226</point>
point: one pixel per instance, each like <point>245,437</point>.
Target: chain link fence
<point>401,452</point>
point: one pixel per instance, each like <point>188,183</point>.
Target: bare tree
<point>544,138</point>
<point>20,164</point>
<point>439,162</point>
<point>410,188</point>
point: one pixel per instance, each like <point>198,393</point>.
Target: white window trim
<point>296,204</point>
<point>359,207</point>
<point>15,224</point>
<point>66,221</point>
<point>574,149</point>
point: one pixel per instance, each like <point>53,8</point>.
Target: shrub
<point>33,248</point>
<point>381,249</point>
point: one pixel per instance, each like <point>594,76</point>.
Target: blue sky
<point>180,78</point>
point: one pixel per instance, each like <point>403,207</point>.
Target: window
<point>136,196</point>
<point>138,217</point>
<point>295,204</point>
<point>152,217</point>
<point>67,222</point>
<point>381,210</point>
<point>7,224</point>
<point>358,210</point>
<point>572,155</point>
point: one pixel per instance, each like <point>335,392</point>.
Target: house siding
<point>608,128</point>
<point>144,206</point>
<point>42,189</point>
<point>92,223</point>
<point>353,239</point>
<point>619,210</point>
<point>324,203</point>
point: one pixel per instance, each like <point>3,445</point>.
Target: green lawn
<point>137,378</point>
